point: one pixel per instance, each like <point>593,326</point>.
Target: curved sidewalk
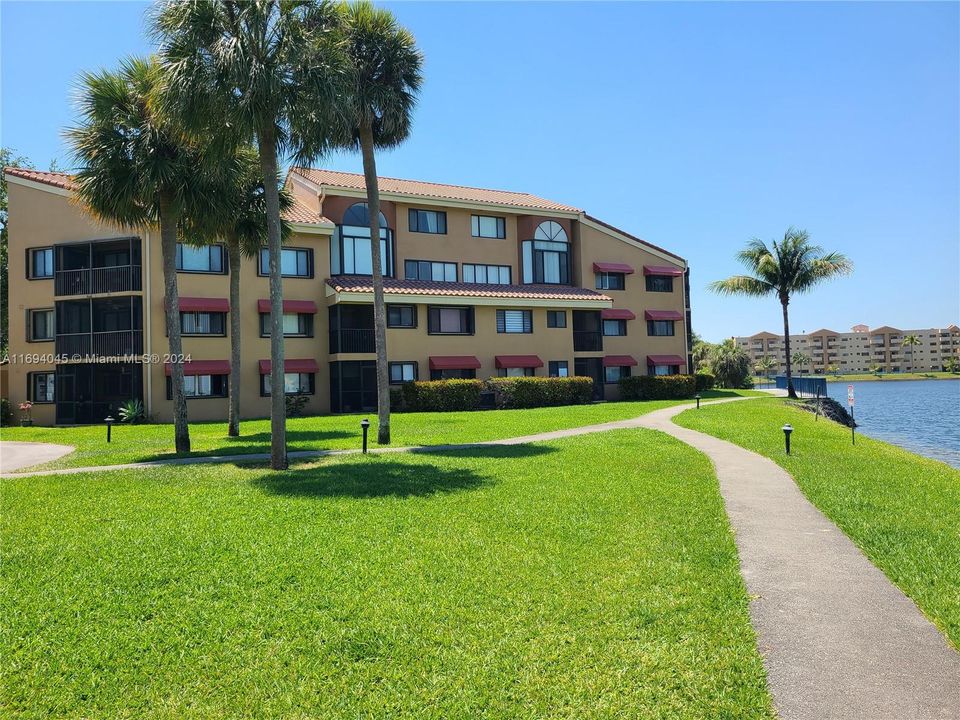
<point>838,639</point>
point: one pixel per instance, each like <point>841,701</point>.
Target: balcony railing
<point>587,341</point>
<point>94,281</point>
<point>100,344</point>
<point>349,340</point>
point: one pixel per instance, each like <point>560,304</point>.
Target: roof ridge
<point>425,182</point>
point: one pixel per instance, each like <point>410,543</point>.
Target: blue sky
<point>695,126</point>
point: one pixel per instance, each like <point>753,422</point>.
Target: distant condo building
<point>860,350</point>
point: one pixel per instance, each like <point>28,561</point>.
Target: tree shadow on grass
<point>380,476</point>
<point>295,436</point>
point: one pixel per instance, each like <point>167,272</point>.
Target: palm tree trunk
<point>278,411</point>
<point>171,299</point>
<point>233,412</point>
<point>379,309</point>
<point>785,301</point>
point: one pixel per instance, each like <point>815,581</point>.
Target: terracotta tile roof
<point>363,284</point>
<point>417,188</point>
<point>301,214</point>
<point>58,179</point>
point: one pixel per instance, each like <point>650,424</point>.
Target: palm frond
<point>742,285</point>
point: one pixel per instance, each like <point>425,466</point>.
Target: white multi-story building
<point>860,350</point>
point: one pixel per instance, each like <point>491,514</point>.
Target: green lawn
<point>901,509</point>
<point>154,442</point>
<point>590,577</point>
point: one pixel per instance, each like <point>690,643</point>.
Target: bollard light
<point>109,421</point>
<point>787,429</point>
<point>697,398</point>
<point>365,424</point>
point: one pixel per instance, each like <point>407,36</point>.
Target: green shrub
<point>657,387</point>
<point>439,395</point>
<point>295,404</point>
<point>704,381</point>
<point>531,392</point>
<point>6,413</point>
<point>131,412</point>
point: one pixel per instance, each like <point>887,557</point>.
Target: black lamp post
<point>365,424</point>
<point>109,421</point>
<point>787,429</point>
<point>697,398</point>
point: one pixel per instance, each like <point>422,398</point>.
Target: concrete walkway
<point>838,639</point>
<point>16,455</point>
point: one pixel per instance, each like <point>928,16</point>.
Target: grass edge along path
<point>150,442</point>
<point>514,581</point>
<point>902,510</point>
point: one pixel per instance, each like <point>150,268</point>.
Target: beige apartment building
<point>861,349</point>
<point>479,283</point>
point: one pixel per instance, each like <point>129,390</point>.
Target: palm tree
<point>244,233</point>
<point>384,80</point>
<point>911,341</point>
<point>790,267</point>
<point>764,365</point>
<point>800,359</point>
<point>273,71</point>
<point>135,169</point>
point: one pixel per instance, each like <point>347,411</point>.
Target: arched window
<point>550,231</point>
<point>350,245</point>
<point>546,258</point>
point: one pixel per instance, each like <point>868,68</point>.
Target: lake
<point>922,416</point>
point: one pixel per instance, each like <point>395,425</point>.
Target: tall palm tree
<point>273,71</point>
<point>765,365</point>
<point>135,169</point>
<point>790,267</point>
<point>384,81</point>
<point>911,341</point>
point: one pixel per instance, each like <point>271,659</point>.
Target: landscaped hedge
<point>705,381</point>
<point>437,395</point>
<point>531,392</point>
<point>657,387</point>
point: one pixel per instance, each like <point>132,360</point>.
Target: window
<point>546,258</point>
<point>558,368</point>
<point>294,325</point>
<point>201,386</point>
<point>401,316</point>
<point>293,384</point>
<point>665,370</point>
<point>514,321</point>
<point>613,374</point>
<point>487,226</point>
<point>660,327</point>
<point>401,372</point>
<point>486,274</point>
<point>40,327</point>
<point>203,323</point>
<point>516,372</point>
<point>294,262</point>
<point>614,327</point>
<point>428,221</point>
<point>201,259</point>
<point>464,374</point>
<point>610,281</point>
<point>350,252</point>
<point>556,318</point>
<point>40,387</point>
<point>450,321</point>
<point>659,283</point>
<point>41,263</point>
<point>427,270</point>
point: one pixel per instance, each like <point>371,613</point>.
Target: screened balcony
<point>104,266</point>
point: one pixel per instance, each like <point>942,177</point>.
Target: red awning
<point>665,360</point>
<point>198,304</point>
<point>619,360</point>
<point>290,306</point>
<point>518,361</point>
<point>454,362</point>
<point>617,314</point>
<point>662,270</point>
<point>291,365</point>
<point>662,315</point>
<point>201,367</point>
<point>613,268</point>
